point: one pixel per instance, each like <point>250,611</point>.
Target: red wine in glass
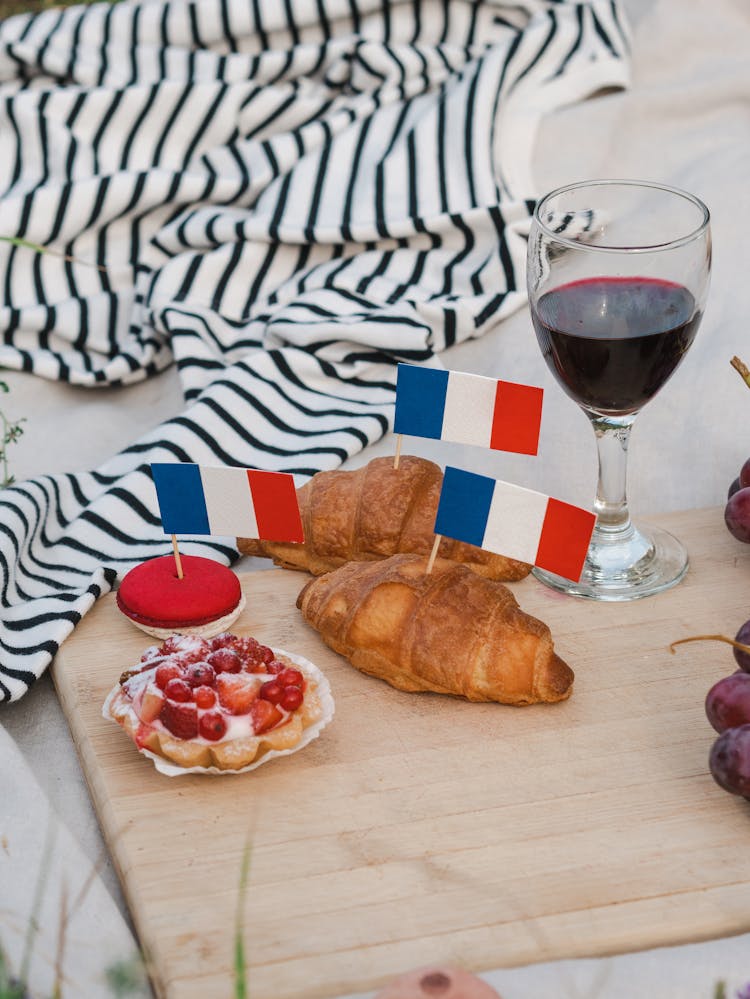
<point>618,274</point>
<point>612,342</point>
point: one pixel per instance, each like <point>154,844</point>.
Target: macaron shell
<point>152,594</point>
<point>199,630</point>
<point>438,982</point>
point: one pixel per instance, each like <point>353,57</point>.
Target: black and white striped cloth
<point>284,198</point>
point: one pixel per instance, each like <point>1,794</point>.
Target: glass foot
<point>647,561</point>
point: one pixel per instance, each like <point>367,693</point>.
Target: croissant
<point>449,630</point>
<point>371,513</point>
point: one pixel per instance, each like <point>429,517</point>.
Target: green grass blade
<point>240,962</point>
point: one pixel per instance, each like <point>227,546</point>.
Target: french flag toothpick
<point>513,521</point>
<point>467,409</point>
<point>242,502</point>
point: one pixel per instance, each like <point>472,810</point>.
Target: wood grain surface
<point>419,827</point>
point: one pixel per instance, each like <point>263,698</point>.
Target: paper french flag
<point>516,522</point>
<point>241,502</point>
<point>468,409</point>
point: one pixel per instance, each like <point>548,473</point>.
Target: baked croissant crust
<point>449,631</point>
<point>371,513</point>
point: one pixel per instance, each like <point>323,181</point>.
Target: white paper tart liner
<point>310,670</point>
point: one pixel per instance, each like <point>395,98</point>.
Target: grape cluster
<point>737,510</point>
<point>728,711</point>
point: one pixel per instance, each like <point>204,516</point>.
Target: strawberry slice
<point>237,692</point>
<point>149,706</point>
<point>180,718</point>
<point>264,715</point>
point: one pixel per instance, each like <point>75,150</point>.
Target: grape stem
<point>710,638</point>
<point>743,369</point>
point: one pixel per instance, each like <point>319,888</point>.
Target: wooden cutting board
<point>423,828</point>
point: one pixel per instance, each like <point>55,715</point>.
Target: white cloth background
<point>40,859</point>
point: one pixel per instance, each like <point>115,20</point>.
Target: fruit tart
<point>219,705</point>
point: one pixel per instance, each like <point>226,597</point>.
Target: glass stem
<point>611,507</point>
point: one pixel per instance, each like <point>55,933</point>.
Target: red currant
<point>272,691</point>
<point>248,647</point>
<point>212,725</point>
<point>166,672</point>
<point>274,667</point>
<point>200,675</point>
<point>178,690</point>
<point>205,697</point>
<point>291,678</point>
<point>224,661</point>
<point>291,698</point>
<point>226,640</point>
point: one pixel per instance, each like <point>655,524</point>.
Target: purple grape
<point>729,761</point>
<point>734,488</point>
<point>737,515</point>
<point>728,702</point>
<point>744,476</point>
<point>743,637</point>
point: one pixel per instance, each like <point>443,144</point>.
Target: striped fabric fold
<point>285,200</point>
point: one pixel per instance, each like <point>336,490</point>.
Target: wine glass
<point>618,274</point>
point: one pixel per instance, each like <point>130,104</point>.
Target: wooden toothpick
<point>433,553</point>
<point>397,455</point>
<point>742,368</point>
<point>177,559</point>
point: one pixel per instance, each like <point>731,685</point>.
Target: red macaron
<point>205,601</point>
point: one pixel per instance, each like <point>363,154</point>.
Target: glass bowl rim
<point>622,182</point>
